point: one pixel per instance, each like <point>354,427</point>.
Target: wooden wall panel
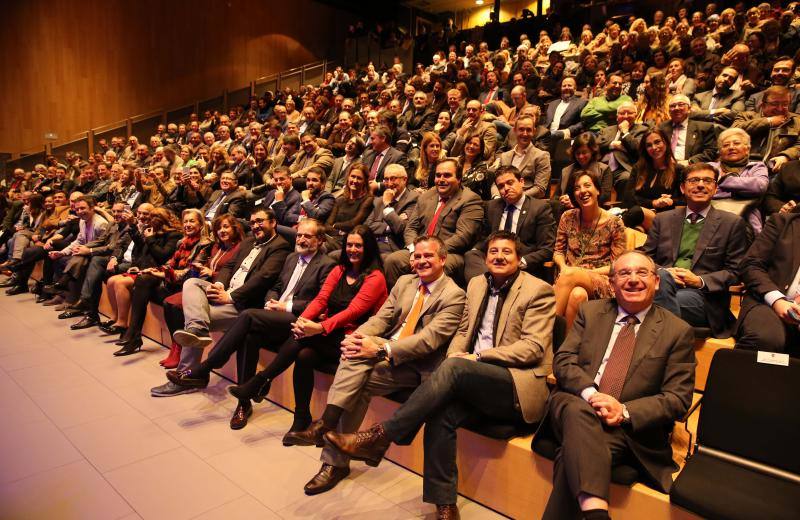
<point>69,65</point>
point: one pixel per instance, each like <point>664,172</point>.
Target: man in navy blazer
<point>284,200</point>
<point>563,116</point>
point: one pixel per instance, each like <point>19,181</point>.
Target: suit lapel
<point>433,296</point>
<point>604,328</point>
<point>691,133</point>
<point>508,304</point>
<point>708,231</point>
<point>645,338</point>
<point>676,228</point>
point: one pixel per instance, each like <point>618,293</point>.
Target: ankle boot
<point>256,389</point>
<point>171,361</point>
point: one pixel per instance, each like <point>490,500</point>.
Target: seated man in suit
<point>770,313</point>
<point>619,145</point>
<point>492,92</point>
<point>495,370</point>
<point>342,133</point>
<point>782,73</point>
<point>474,125</point>
<point>420,119</point>
<point>398,348</point>
<point>317,203</point>
<point>241,284</point>
<point>690,141</point>
<point>226,200</point>
<point>381,154</point>
<point>391,210</point>
<point>312,154</point>
<point>721,104</point>
<point>298,284</point>
<point>284,200</point>
<point>533,163</point>
<point>698,249</point>
<point>449,211</point>
<point>625,374</point>
<point>563,117</point>
<point>530,219</point>
<point>774,131</point>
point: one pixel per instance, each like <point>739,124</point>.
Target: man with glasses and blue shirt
<point>698,249</point>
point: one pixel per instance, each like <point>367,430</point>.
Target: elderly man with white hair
<point>391,210</point>
<point>691,141</point>
<point>742,182</point>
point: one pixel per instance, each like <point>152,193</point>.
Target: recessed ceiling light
<point>479,2</point>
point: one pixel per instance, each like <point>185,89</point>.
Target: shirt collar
<point>503,288</point>
<point>524,151</point>
<point>431,286</point>
<point>621,313</point>
<point>704,212</point>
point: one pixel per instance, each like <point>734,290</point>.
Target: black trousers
<point>33,254</point>
<point>584,460</point>
<point>761,329</point>
<point>146,288</point>
<point>458,390</point>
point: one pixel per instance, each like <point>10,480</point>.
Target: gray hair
<point>733,132</point>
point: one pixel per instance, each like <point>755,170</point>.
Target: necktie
<point>620,359</point>
<point>509,225</point>
<point>373,171</point>
<point>695,217</point>
<point>435,219</point>
<point>413,315</point>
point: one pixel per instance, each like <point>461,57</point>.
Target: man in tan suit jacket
<point>496,369</point>
<point>448,211</point>
<point>312,155</point>
<point>473,125</point>
<point>397,348</point>
<point>532,162</point>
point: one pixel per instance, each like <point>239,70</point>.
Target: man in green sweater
<point>601,111</point>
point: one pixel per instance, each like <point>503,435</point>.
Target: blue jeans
<point>684,302</point>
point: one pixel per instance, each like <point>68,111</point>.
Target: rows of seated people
<point>399,229</point>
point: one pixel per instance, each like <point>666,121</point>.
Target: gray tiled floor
<point>82,438</point>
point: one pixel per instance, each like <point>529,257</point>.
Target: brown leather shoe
<point>368,445</point>
<point>447,512</point>
<point>240,416</point>
<point>326,479</point>
<point>312,436</point>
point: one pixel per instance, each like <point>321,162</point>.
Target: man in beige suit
<point>474,125</point>
<point>397,348</point>
<point>448,211</point>
<point>312,155</point>
<point>495,369</point>
<point>531,161</point>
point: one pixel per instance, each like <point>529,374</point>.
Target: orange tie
<point>413,316</point>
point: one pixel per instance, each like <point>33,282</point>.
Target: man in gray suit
<point>391,210</point>
<point>399,347</point>
<point>449,211</point>
<point>699,249</point>
<point>625,374</point>
<point>619,145</point>
<point>531,161</point>
<point>496,370</point>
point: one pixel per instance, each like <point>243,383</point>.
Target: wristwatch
<point>626,417</point>
<point>381,354</point>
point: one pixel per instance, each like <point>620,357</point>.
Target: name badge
<point>258,202</point>
<point>773,358</point>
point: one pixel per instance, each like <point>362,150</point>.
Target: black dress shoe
<point>326,479</point>
<point>85,323</point>
<point>311,436</point>
<point>17,289</point>
<point>11,282</point>
<point>113,329</point>
<point>255,389</point>
<point>196,378</point>
<point>130,347</point>
<point>240,416</point>
<point>70,313</point>
<point>41,298</point>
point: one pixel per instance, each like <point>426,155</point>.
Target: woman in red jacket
<point>353,291</point>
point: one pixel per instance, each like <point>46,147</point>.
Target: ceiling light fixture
<point>479,2</point>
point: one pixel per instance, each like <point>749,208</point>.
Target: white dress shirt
<point>514,216</point>
<point>238,278</point>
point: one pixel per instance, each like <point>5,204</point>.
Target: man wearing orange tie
<point>399,347</point>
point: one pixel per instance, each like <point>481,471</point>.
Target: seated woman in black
<point>351,208</point>
<point>654,184</point>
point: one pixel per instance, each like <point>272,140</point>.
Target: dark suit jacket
<point>753,103</point>
<point>536,230</point>
<point>701,140</point>
<point>12,215</point>
<point>308,285</point>
<point>784,186</point>
<point>720,248</point>
<point>286,211</point>
<point>395,220</point>
<point>734,101</point>
<point>319,208</point>
<point>392,156</point>
<point>500,95</point>
<point>571,119</point>
<point>262,274</point>
<point>234,204</point>
<point>629,154</point>
<point>659,384</point>
<point>772,261</point>
<point>417,123</point>
<point>459,221</point>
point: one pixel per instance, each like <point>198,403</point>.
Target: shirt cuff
<point>588,392</point>
<point>410,247</point>
<point>387,210</point>
<point>289,306</point>
<point>771,297</point>
<point>388,351</point>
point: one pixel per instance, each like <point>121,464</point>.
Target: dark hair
<point>573,178</point>
<point>699,167</point>
<point>372,256</point>
<point>585,139</point>
<point>319,171</point>
<point>90,201</point>
<point>455,162</point>
<point>513,170</point>
<point>269,212</point>
<point>237,235</point>
<point>442,248</point>
<point>292,139</point>
<point>505,235</point>
<point>36,202</point>
<point>645,168</point>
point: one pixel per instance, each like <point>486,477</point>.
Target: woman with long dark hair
<point>474,168</point>
<point>585,154</point>
<point>352,207</point>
